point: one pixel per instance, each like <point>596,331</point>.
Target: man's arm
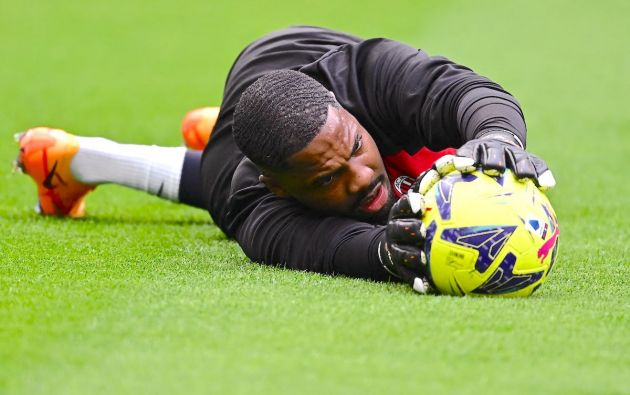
<point>408,99</point>
<point>281,232</point>
<point>402,92</point>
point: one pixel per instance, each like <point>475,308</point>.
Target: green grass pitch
<point>144,296</point>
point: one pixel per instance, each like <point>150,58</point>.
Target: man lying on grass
<point>319,138</point>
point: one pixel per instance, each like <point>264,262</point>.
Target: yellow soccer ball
<point>488,235</point>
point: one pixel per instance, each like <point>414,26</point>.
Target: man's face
<point>339,172</point>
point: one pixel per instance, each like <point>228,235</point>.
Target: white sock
<point>149,168</point>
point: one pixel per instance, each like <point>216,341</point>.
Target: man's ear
<point>272,184</point>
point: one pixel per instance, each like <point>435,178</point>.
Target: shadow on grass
<point>113,220</point>
<point>21,217</point>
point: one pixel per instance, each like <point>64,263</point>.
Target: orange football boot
<point>197,127</point>
<point>45,155</point>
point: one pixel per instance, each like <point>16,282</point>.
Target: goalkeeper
<point>319,139</point>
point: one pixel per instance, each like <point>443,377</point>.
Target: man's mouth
<point>375,201</point>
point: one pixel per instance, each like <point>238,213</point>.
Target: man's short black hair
<point>279,115</point>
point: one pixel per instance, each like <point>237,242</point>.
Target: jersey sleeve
<point>407,97</point>
<point>281,232</point>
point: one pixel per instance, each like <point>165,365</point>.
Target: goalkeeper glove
<point>401,249</point>
<point>497,150</point>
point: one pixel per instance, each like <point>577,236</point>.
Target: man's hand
<point>497,150</point>
<point>401,249</point>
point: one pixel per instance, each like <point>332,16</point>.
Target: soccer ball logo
<point>489,235</point>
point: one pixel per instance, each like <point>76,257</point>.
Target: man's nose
<point>360,177</point>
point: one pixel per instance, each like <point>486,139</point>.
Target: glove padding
<point>401,249</point>
<point>498,150</point>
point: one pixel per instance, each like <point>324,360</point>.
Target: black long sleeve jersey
<point>415,107</point>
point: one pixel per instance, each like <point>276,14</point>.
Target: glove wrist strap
<point>502,135</point>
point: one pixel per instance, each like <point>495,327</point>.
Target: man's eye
<point>326,180</point>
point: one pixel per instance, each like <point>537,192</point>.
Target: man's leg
<point>190,192</point>
<point>66,167</point>
<point>172,173</point>
<point>152,169</point>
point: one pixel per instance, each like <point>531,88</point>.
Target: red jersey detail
<point>403,168</point>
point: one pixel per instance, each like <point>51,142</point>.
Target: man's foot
<point>45,155</point>
<point>197,127</point>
